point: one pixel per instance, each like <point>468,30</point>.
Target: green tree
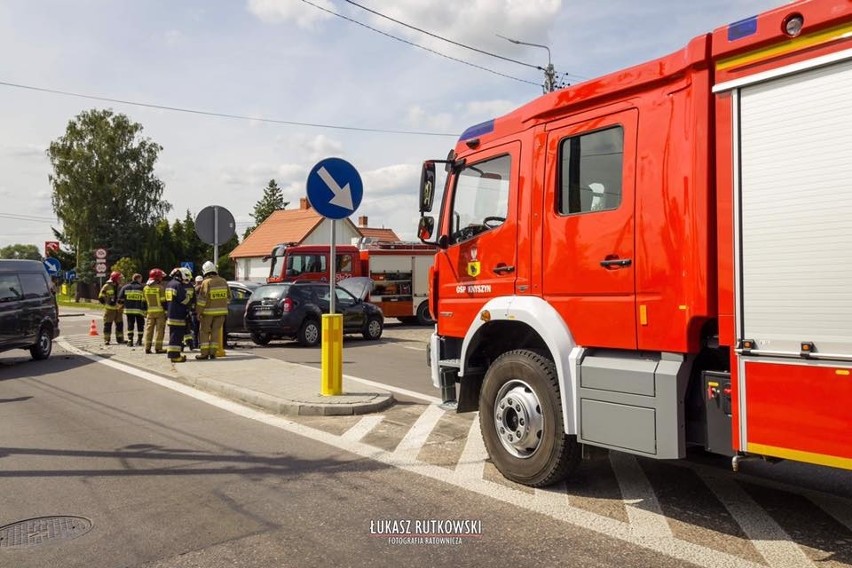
<point>272,200</point>
<point>105,192</point>
<point>127,267</point>
<point>21,252</point>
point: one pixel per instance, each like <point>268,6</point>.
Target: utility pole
<point>549,72</point>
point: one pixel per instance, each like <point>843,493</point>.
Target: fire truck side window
<point>591,171</point>
<point>481,199</point>
<point>299,263</point>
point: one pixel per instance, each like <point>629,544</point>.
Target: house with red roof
<point>303,226</point>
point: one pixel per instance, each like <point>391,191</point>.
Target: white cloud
<point>277,11</point>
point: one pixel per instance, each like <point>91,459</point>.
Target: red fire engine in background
<point>658,258</point>
<point>400,272</point>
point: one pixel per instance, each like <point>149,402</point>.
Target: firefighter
<point>132,298</point>
<point>212,306</point>
<point>179,295</point>
<point>155,299</point>
<point>108,296</point>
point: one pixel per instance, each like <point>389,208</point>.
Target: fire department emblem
<point>473,264</point>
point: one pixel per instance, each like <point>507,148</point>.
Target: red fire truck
<point>400,272</point>
<point>658,258</point>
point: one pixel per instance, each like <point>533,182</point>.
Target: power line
<point>224,115</point>
<point>28,218</point>
<point>441,38</point>
<point>333,13</point>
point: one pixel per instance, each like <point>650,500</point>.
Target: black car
<point>240,293</point>
<point>29,316</point>
<point>294,310</point>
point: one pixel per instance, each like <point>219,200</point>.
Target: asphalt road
<point>169,481</point>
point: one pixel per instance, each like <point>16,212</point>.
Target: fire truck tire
<point>423,315</point>
<point>310,333</point>
<point>520,415</point>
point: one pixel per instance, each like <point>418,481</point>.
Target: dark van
<point>29,316</point>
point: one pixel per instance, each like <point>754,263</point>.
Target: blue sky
<point>288,60</point>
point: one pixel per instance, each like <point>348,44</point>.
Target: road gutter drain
<point>42,530</point>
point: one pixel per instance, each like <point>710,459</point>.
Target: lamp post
<point>549,72</point>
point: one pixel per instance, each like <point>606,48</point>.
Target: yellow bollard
<point>332,355</point>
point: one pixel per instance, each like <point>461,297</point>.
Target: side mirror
<point>427,186</point>
<point>425,228</point>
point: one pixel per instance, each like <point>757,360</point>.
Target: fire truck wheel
<point>309,334</point>
<point>423,315</point>
<point>520,415</point>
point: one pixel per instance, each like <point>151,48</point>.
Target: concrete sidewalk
<point>271,384</point>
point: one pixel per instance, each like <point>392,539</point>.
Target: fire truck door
<point>480,220</point>
<point>793,139</point>
<point>588,249</point>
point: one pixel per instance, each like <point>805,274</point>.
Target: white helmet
<point>207,268</point>
<point>185,275</point>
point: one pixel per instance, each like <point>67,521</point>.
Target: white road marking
<point>362,428</point>
<point>391,388</point>
<point>643,509</point>
<point>416,436</point>
<point>471,464</point>
<point>770,540</point>
<point>678,549</point>
<point>839,509</point>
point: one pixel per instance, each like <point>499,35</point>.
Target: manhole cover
<point>42,530</point>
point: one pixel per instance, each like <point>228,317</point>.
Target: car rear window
<point>35,286</point>
<point>276,291</point>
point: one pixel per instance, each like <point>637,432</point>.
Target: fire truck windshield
<point>481,198</point>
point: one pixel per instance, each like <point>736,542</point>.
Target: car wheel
<point>373,329</point>
<point>309,334</point>
<point>260,338</point>
<point>423,315</point>
<point>44,344</point>
<point>520,415</point>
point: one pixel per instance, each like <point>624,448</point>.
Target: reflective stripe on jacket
<point>155,298</point>
<point>213,297</point>
<point>132,298</point>
<point>179,297</point>
<point>109,295</point>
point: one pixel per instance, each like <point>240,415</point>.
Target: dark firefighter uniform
<point>178,297</point>
<point>131,296</point>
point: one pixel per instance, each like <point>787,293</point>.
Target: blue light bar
<point>743,28</point>
<point>478,130</point>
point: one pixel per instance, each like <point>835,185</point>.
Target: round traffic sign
<point>100,253</point>
<point>334,188</point>
<point>215,225</point>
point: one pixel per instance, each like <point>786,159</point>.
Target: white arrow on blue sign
<point>334,188</point>
<point>52,265</point>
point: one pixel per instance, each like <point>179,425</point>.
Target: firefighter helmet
<point>185,275</point>
<point>208,268</point>
<point>115,276</point>
<point>156,274</point>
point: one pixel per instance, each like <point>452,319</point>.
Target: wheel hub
<point>518,419</point>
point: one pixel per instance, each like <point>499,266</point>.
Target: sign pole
<point>215,235</point>
<point>332,332</point>
<point>335,191</point>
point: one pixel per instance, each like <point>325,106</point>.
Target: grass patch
<point>64,300</point>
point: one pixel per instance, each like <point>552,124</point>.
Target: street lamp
<point>549,73</point>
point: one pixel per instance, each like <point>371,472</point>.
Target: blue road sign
<point>70,275</point>
<point>334,188</point>
<point>188,264</point>
<point>52,265</point>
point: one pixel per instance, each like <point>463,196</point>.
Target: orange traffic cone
<point>93,330</point>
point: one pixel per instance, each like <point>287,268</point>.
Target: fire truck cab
<point>658,258</point>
